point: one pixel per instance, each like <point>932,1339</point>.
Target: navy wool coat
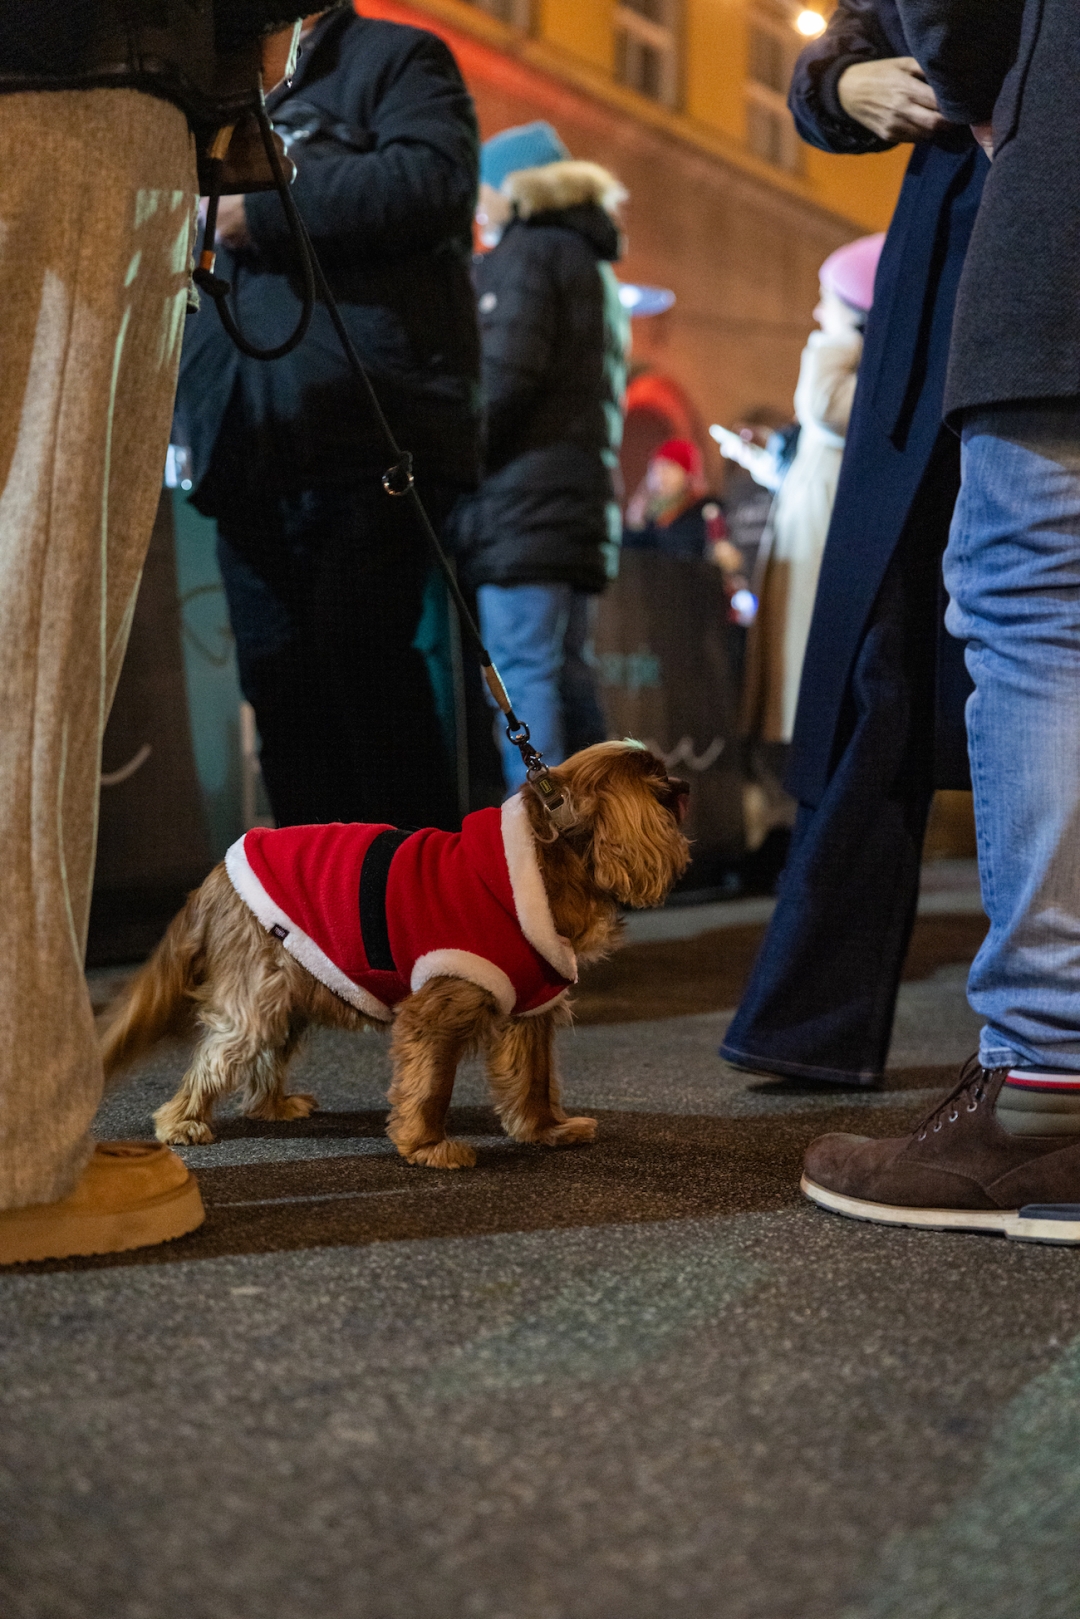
<point>896,418</point>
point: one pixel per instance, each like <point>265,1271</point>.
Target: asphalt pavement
<point>636,1380</point>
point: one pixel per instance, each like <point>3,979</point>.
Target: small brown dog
<point>529,899</point>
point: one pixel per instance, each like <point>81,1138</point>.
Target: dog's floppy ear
<point>636,849</point>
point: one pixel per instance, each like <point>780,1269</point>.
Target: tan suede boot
<point>131,1194</point>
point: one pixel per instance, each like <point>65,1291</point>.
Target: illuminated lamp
<point>810,23</point>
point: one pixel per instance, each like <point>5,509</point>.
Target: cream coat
<point>800,523</point>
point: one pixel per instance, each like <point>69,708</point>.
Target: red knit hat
<point>684,454</point>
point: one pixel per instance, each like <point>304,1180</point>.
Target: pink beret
<point>850,271</point>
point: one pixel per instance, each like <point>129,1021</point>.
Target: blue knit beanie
<point>526,146</point>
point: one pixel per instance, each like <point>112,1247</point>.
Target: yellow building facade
<point>685,101</point>
<point>713,71</point>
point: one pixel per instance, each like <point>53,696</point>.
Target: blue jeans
<point>537,635</point>
<point>1012,569</point>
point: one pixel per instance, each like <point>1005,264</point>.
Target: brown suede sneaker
<point>958,1171</point>
<point>131,1194</point>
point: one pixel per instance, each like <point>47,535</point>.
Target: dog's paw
<point>443,1155</point>
<point>298,1106</point>
<point>569,1132</point>
<point>184,1132</point>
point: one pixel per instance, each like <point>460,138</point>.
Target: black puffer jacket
<point>554,343</point>
<point>386,187</point>
<point>690,535</point>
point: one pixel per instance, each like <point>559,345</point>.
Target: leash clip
<point>540,779</point>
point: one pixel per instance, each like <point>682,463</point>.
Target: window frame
<point>520,12</point>
<point>766,99</point>
<point>662,38</point>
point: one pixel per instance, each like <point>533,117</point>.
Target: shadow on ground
<point>674,1161</point>
<point>643,1167</point>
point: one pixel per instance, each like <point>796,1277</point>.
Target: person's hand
<point>984,134</point>
<point>891,99</point>
<point>232,228</point>
<point>728,557</point>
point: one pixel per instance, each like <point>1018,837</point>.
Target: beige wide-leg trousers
<point>97,193</point>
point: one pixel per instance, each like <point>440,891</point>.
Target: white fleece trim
<point>530,895</point>
<point>296,941</point>
<point>463,964</point>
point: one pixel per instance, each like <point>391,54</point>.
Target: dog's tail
<point>158,1001</point>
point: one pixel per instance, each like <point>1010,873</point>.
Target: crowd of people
<point>329,586</point>
<point>936,467</point>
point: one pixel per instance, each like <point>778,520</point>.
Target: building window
<point>516,12</point>
<point>770,130</point>
<point>647,48</point>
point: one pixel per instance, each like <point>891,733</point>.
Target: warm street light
<point>810,23</point>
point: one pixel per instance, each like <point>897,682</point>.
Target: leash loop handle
<point>215,286</point>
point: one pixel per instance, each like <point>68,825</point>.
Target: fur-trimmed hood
<point>581,197</point>
<point>557,186</point>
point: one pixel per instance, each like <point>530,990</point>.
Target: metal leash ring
<point>399,479</point>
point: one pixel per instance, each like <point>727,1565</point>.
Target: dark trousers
<point>326,590</point>
<point>822,994</point>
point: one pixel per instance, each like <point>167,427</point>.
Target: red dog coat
<point>374,913</point>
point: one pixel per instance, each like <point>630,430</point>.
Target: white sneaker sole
<point>1053,1223</point>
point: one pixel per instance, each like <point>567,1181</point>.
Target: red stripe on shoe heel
<point>1026,1081</point>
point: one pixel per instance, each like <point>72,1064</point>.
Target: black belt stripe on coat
<point>374,875</point>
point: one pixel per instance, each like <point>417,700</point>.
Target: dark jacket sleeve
<point>965,48</point>
<point>416,188</point>
<point>855,34</point>
<point>518,335</point>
